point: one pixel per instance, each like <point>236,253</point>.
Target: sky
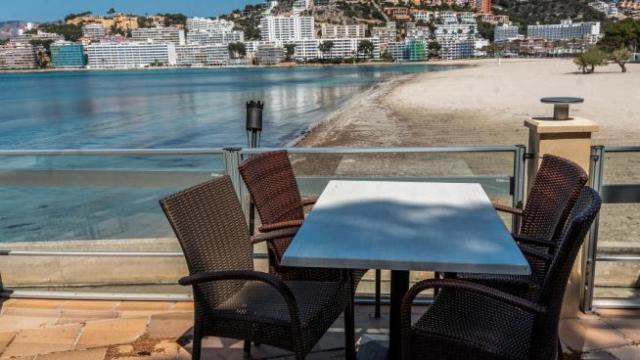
<point>48,10</point>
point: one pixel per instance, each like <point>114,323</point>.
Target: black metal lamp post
<point>254,122</point>
<point>561,106</point>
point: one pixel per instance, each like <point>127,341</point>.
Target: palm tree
<point>366,47</point>
<point>238,50</point>
<point>289,51</point>
<point>326,47</point>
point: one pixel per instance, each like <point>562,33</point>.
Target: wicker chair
<point>231,299</point>
<point>472,321</point>
<point>555,189</point>
<point>272,184</point>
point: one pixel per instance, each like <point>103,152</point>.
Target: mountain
<point>547,11</point>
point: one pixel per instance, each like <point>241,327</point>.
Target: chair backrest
<point>272,184</point>
<point>210,226</point>
<point>555,281</point>
<point>555,189</point>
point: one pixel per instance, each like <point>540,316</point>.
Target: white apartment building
<point>456,30</point>
<point>205,24</point>
<point>94,31</point>
<point>306,49</point>
<point>386,34</point>
<point>129,55</point>
<point>566,30</point>
<point>204,37</point>
<point>348,48</point>
<point>40,35</point>
<point>17,56</point>
<point>453,47</point>
<point>202,55</point>
<point>505,33</point>
<point>609,9</point>
<point>159,34</point>
<point>287,28</point>
<point>301,5</point>
<point>331,31</point>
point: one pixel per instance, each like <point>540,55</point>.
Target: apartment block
<point>17,56</point>
<point>211,37</point>
<point>387,34</point>
<point>205,24</point>
<point>566,30</point>
<point>505,33</point>
<point>331,31</point>
<point>348,48</point>
<point>202,55</point>
<point>66,54</point>
<point>454,47</point>
<point>306,49</point>
<point>301,5</point>
<point>270,54</point>
<point>159,34</point>
<point>287,28</point>
<point>94,31</point>
<point>129,55</point>
<point>40,35</point>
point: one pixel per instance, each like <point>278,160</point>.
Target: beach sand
<point>484,104</point>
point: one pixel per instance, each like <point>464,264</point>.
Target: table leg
<point>349,323</point>
<point>399,287</point>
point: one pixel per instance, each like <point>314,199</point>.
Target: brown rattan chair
<point>272,184</point>
<point>554,191</point>
<point>471,321</point>
<point>230,298</point>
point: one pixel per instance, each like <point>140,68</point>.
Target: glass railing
<point>613,251</point>
<point>87,223</point>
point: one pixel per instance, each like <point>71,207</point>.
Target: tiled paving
<point>105,330</point>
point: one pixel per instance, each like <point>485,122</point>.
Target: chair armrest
<point>536,254</point>
<point>280,225</point>
<point>274,235</point>
<point>509,209</point>
<point>309,201</point>
<point>407,302</point>
<point>249,275</point>
<point>534,241</point>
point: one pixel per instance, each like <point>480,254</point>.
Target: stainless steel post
<point>518,183</point>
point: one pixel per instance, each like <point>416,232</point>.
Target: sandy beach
<point>485,103</point>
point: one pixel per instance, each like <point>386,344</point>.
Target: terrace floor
<point>98,330</point>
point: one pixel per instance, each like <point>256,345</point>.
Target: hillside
<point>547,11</point>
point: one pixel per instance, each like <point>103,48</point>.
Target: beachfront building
<point>456,30</point>
<point>18,56</point>
<point>348,48</point>
<point>453,47</point>
<point>66,54</point>
<point>129,55</point>
<point>566,30</point>
<point>386,34</point>
<point>202,55</point>
<point>159,34</point>
<point>204,24</point>
<point>505,33</point>
<point>214,37</point>
<point>409,50</point>
<point>270,54</point>
<point>93,31</point>
<point>396,50</point>
<point>287,28</point>
<point>306,49</point>
<point>332,31</point>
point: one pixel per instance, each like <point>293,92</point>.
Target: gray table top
<point>445,227</point>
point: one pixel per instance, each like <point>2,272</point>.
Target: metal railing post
<point>589,262</point>
<point>232,158</point>
<point>519,168</point>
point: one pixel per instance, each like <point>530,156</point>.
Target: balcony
<point>89,252</point>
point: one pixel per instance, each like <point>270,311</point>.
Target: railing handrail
<point>621,148</point>
<point>220,151</point>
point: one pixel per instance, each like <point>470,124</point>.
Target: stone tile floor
<point>33,329</point>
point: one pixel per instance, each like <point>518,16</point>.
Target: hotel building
<point>204,24</point>
<point>270,54</point>
<point>94,31</point>
<point>204,37</point>
<point>301,5</point>
<point>159,34</point>
<point>331,31</point>
<point>287,28</point>
<point>505,33</point>
<point>17,56</point>
<point>130,55</point>
<point>202,55</point>
<point>567,30</point>
<point>348,48</point>
<point>66,54</point>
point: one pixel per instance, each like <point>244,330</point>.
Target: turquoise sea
<point>184,108</point>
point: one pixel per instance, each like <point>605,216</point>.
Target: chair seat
<point>258,312</point>
<point>465,325</point>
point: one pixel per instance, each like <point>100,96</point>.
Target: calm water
<point>147,109</point>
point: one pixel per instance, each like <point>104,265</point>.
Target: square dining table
<point>404,226</point>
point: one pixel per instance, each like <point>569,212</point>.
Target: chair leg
<point>247,349</point>
<point>349,332</point>
<point>377,295</point>
<point>197,342</point>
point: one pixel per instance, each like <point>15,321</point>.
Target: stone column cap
<point>548,125</point>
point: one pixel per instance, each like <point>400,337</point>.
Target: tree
<point>238,50</point>
<point>386,56</point>
<point>73,16</point>
<point>621,56</point>
<point>625,33</point>
<point>366,47</point>
<point>486,30</point>
<point>326,47</point>
<point>434,49</point>
<point>43,58</point>
<point>589,59</point>
<point>174,19</point>
<point>289,51</point>
<point>111,11</point>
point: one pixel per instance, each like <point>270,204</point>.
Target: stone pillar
<point>570,139</point>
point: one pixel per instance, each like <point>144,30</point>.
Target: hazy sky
<point>47,10</point>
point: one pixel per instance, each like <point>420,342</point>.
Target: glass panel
<point>619,232</point>
<point>94,203</point>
